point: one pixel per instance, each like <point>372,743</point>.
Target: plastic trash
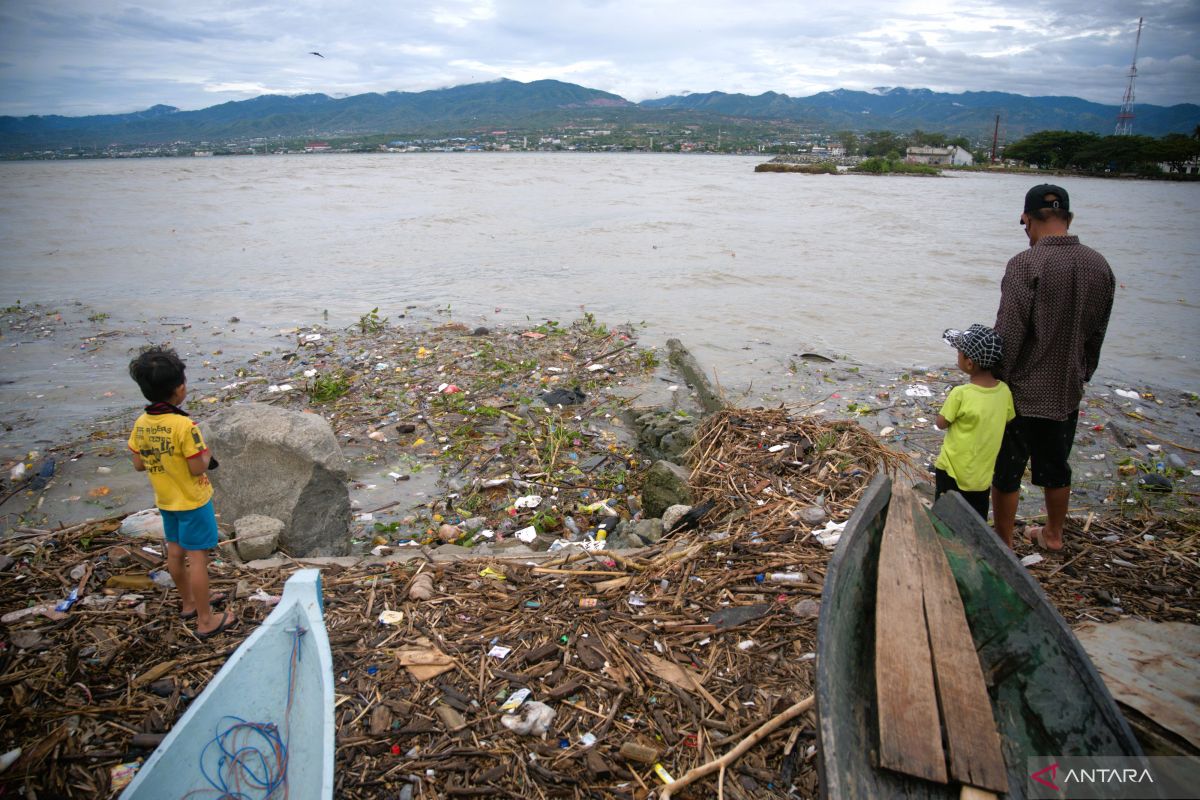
<point>566,544</point>
<point>527,535</point>
<point>1031,559</point>
<point>163,578</point>
<point>146,524</point>
<point>421,588</point>
<point>388,617</point>
<point>528,501</point>
<point>9,758</point>
<point>534,719</point>
<point>44,474</point>
<point>563,397</point>
<point>68,601</point>
<point>1129,395</point>
<point>121,775</point>
<point>17,473</point>
<point>515,700</point>
<point>918,390</point>
<point>1153,482</point>
<point>260,596</point>
<point>632,751</point>
<point>606,526</point>
<point>787,577</point>
<point>830,534</point>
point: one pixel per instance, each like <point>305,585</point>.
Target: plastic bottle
<point>606,527</point>
<point>163,578</point>
<point>787,577</point>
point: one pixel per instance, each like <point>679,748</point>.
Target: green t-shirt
<point>977,417</point>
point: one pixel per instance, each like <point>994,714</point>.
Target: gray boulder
<point>622,539</point>
<point>286,465</point>
<point>676,443</point>
<point>257,536</point>
<point>665,485</point>
<point>662,434</point>
<point>647,530</point>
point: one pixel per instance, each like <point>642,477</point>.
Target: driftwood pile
<point>653,662</point>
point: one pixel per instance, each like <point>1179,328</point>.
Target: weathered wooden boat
<point>1047,698</point>
<point>263,727</point>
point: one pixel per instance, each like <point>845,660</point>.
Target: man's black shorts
<point>1045,444</point>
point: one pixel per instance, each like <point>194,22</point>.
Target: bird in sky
<point>315,53</point>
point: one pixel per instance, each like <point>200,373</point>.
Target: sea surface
<point>747,269</point>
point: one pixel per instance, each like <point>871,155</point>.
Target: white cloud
<point>460,15</point>
<point>85,56</point>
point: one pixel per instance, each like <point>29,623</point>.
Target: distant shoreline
<point>985,169</point>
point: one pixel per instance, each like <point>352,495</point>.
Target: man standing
<point>1055,301</point>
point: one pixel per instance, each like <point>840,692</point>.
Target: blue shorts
<point>192,530</point>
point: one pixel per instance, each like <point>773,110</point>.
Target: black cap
<point>1035,198</point>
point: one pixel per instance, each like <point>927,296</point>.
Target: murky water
<point>746,268</point>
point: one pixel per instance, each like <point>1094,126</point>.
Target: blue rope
<point>262,766</point>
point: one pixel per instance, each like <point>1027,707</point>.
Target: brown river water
<point>748,269</point>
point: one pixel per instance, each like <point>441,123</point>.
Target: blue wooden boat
<point>1047,698</point>
<point>263,727</point>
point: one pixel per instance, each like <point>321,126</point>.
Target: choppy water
<point>739,265</point>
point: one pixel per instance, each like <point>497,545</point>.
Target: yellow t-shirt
<point>977,418</point>
<point>166,442</point>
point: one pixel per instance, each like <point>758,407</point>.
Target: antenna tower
<point>1125,117</point>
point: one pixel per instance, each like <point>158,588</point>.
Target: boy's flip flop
<point>216,600</point>
<point>1035,535</point>
<point>227,619</point>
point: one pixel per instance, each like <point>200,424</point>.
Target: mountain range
<point>547,104</point>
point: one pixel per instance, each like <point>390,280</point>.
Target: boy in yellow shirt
<point>167,445</point>
<point>974,417</point>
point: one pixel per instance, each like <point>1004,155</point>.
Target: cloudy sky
<point>105,56</point>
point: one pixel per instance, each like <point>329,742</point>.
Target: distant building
<point>1186,168</point>
<point>939,156</point>
<point>316,147</point>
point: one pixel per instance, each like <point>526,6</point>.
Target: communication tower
<point>1125,116</point>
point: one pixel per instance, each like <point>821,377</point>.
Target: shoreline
<point>1118,438</point>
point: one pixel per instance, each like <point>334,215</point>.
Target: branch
<point>764,730</point>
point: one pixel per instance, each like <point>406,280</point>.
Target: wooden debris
<point>972,740</point>
<point>910,735</point>
<point>74,712</point>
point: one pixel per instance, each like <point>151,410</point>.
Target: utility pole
<point>1125,116</point>
<point>995,138</point>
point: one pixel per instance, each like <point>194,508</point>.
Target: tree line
<point>1092,153</point>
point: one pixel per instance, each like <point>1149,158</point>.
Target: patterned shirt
<point>1055,301</point>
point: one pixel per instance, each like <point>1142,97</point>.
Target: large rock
<point>665,485</point>
<point>257,536</point>
<point>286,465</point>
<point>663,434</point>
<point>648,531</point>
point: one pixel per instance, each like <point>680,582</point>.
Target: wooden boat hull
<point>1047,698</point>
<point>290,650</point>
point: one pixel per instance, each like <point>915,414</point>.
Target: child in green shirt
<point>974,417</point>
